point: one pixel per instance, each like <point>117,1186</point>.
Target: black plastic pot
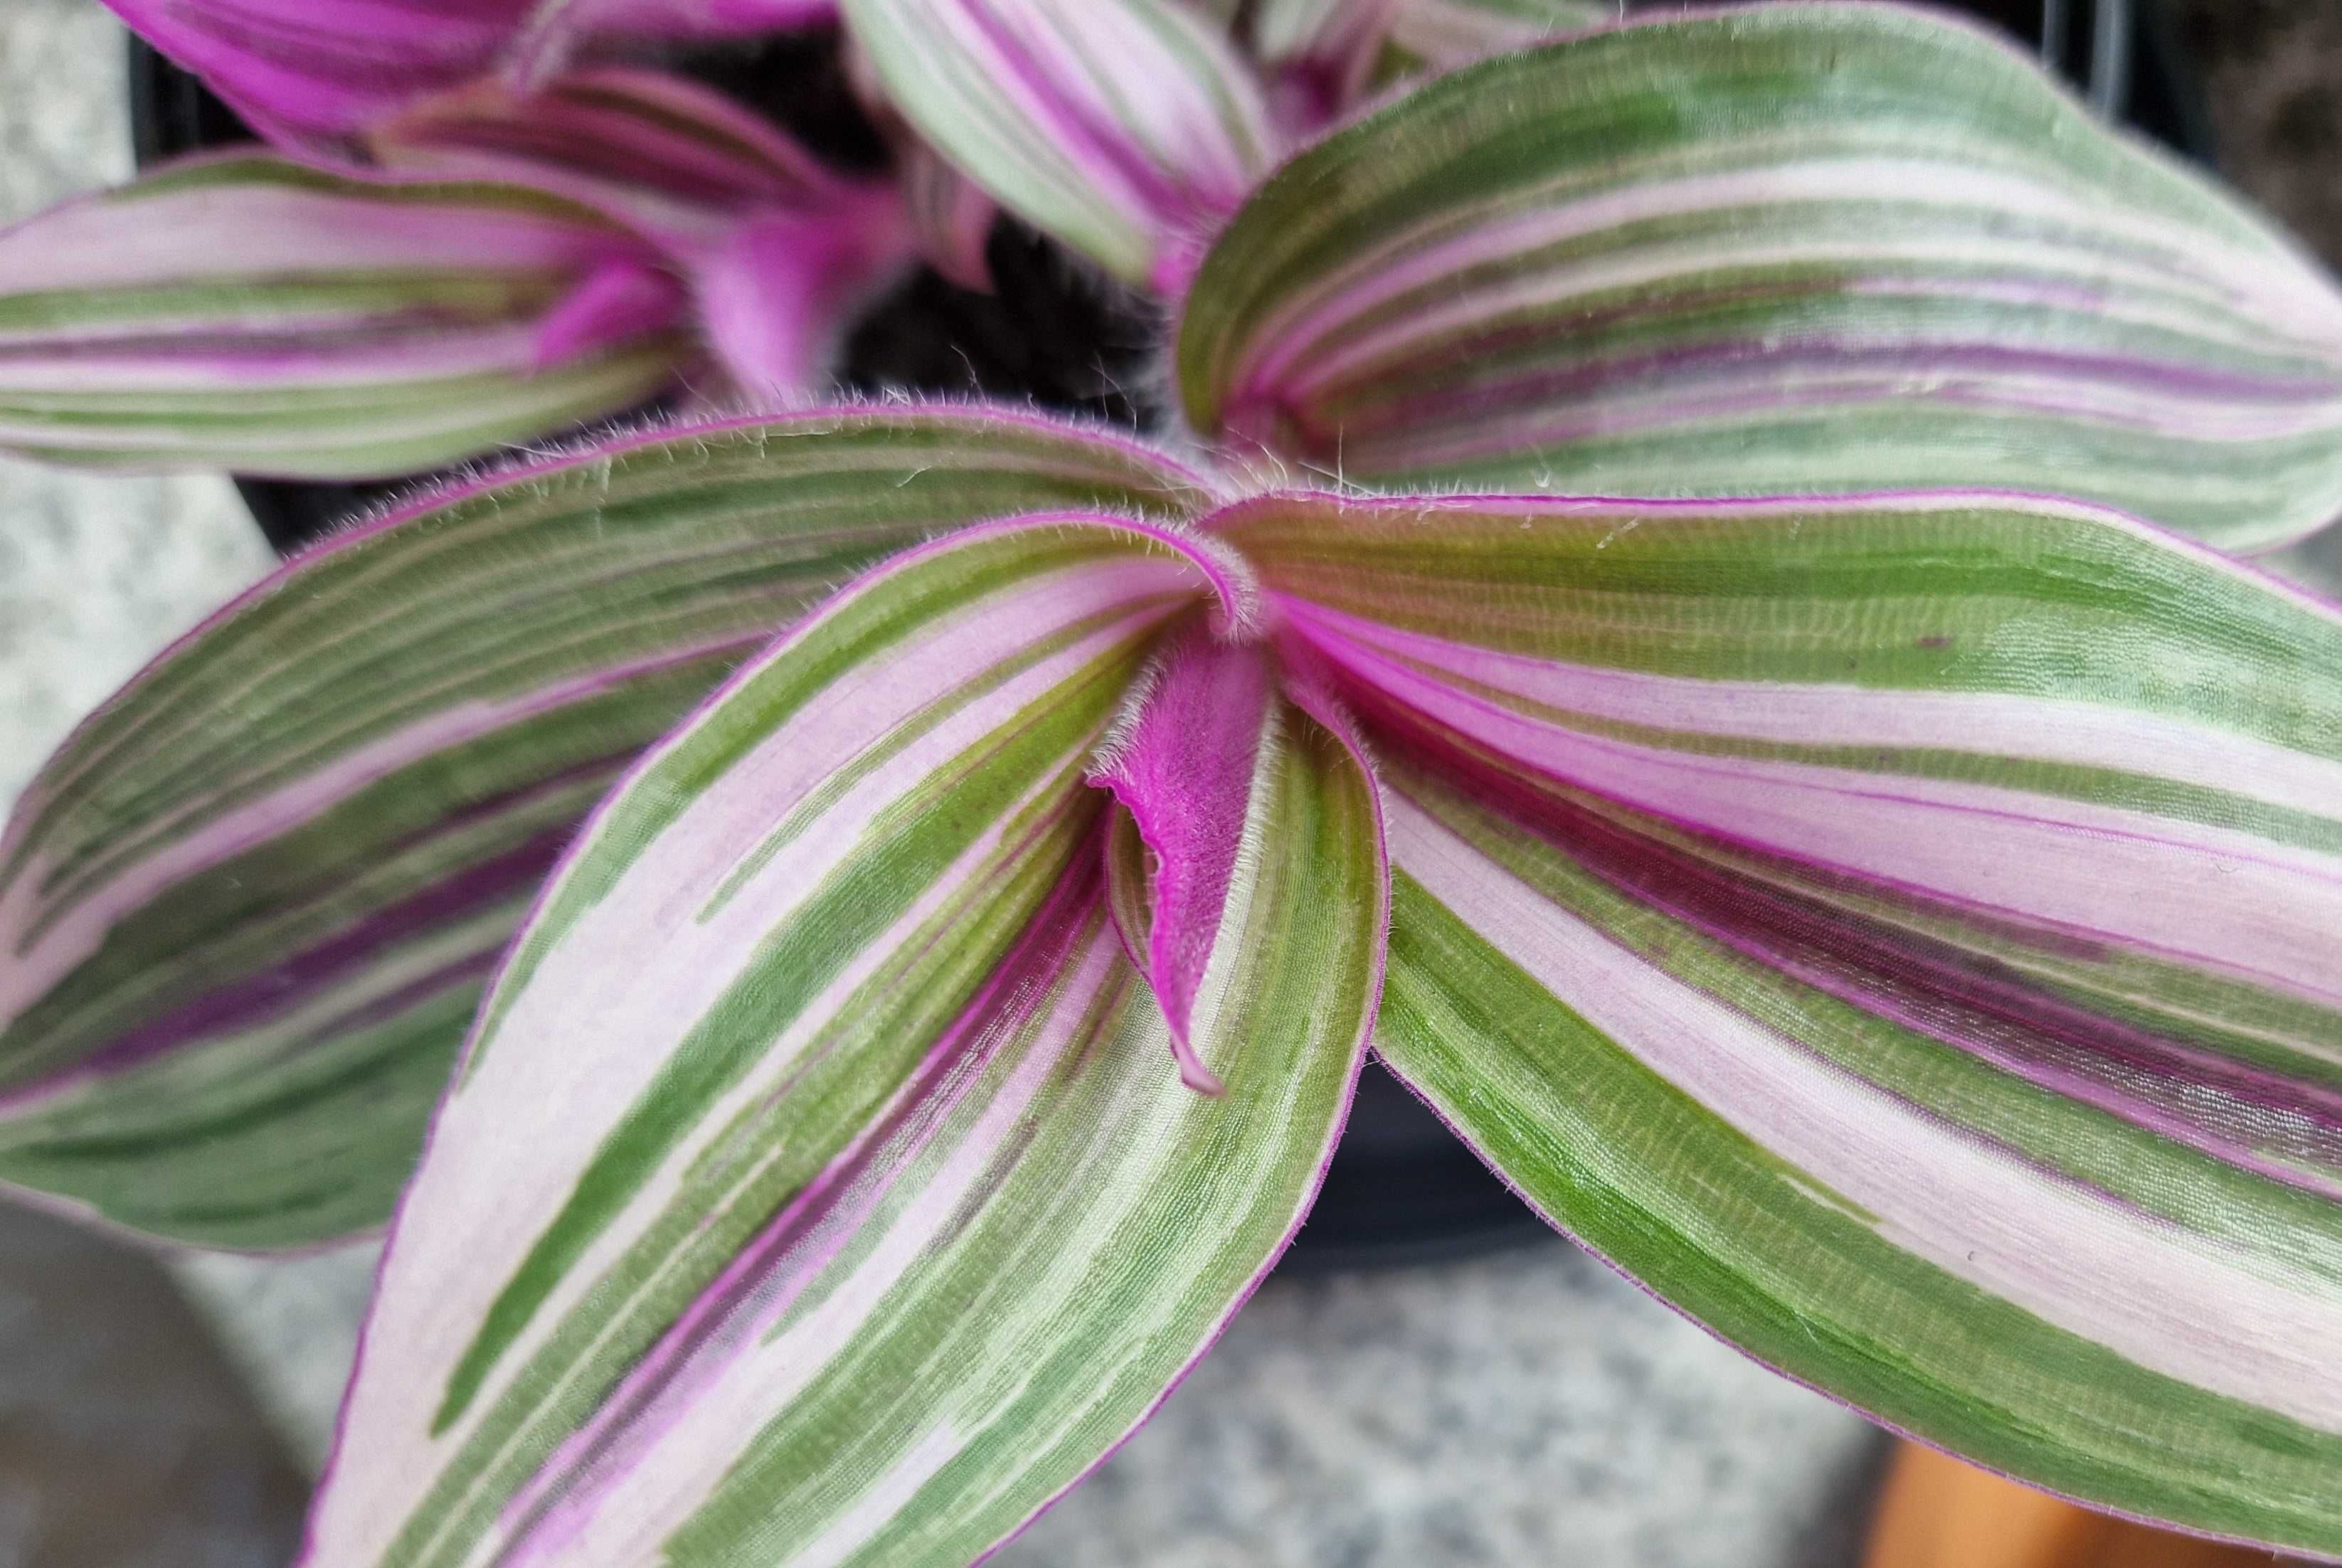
<point>1401,1189</point>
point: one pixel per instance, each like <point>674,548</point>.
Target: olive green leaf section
<point>1777,250</point>
<point>820,1188</point>
<point>247,910</point>
<point>1447,33</point>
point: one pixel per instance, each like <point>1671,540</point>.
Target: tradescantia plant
<point>1876,893</point>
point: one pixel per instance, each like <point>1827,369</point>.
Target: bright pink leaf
<point>776,293</point>
<point>316,75</point>
<point>1183,763</point>
<point>621,299</point>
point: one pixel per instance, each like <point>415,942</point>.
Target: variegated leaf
<point>1125,128</point>
<point>818,1187</point>
<point>1195,763</point>
<point>659,151</point>
<point>1901,932</point>
<point>1444,34</point>
<point>312,76</point>
<point>246,911</point>
<point>306,324</point>
<point>1774,250</point>
<point>776,252</point>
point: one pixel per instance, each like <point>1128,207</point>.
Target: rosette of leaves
<point>897,897</point>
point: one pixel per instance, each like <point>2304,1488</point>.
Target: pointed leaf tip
<point>1185,760</point>
<point>1202,763</point>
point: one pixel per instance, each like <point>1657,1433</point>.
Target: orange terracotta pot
<point>1938,1513</point>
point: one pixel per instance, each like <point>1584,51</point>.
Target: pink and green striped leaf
<point>312,76</point>
<point>1128,129</point>
<point>1441,34</point>
<point>303,322</point>
<point>1815,248</point>
<point>1900,931</point>
<point>246,911</point>
<point>659,151</point>
<point>846,1202</point>
<point>776,252</point>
